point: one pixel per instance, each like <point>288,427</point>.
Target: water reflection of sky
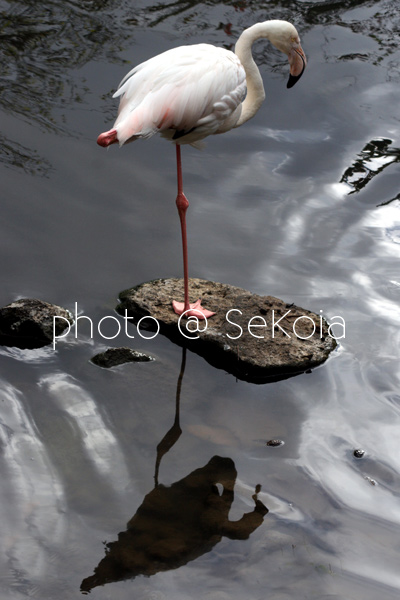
<point>301,203</point>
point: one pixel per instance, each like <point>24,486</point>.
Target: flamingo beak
<point>297,62</point>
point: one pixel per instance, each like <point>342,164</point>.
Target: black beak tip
<point>293,79</point>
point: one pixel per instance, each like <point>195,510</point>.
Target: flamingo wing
<point>185,93</point>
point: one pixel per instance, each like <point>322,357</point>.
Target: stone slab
<point>256,338</point>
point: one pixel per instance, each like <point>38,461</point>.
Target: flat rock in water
<point>256,338</point>
<point>113,357</point>
<point>29,323</point>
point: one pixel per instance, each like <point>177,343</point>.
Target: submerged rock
<point>256,338</point>
<point>359,453</point>
<point>30,323</point>
<point>274,443</point>
<point>114,357</point>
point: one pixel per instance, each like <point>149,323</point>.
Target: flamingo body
<point>190,92</point>
<point>185,94</point>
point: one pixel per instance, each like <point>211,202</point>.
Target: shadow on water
<point>176,524</point>
<point>43,44</point>
<point>373,159</point>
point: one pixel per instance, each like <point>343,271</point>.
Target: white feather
<point>182,89</point>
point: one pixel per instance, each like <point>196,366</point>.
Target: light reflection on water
<point>271,211</point>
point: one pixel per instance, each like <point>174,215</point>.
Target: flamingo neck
<point>255,88</point>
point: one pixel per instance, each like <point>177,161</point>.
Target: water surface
<point>301,203</point>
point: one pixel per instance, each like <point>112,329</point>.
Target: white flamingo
<point>190,92</point>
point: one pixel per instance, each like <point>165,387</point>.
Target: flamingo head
<point>284,36</point>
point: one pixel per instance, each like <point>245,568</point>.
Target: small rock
<point>119,356</point>
<point>370,480</point>
<point>30,323</point>
<point>243,336</point>
<point>358,453</point>
<point>275,443</point>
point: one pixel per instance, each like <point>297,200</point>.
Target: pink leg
<point>182,204</point>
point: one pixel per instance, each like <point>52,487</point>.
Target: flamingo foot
<point>194,310</point>
<point>107,138</point>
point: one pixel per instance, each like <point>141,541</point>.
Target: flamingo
<point>191,92</point>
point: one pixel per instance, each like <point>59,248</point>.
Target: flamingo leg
<point>182,204</point>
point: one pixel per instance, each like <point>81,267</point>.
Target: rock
<point>359,453</point>
<point>28,323</point>
<point>256,338</point>
<point>119,356</point>
<point>274,443</point>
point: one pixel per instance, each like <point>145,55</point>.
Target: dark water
<point>300,203</point>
